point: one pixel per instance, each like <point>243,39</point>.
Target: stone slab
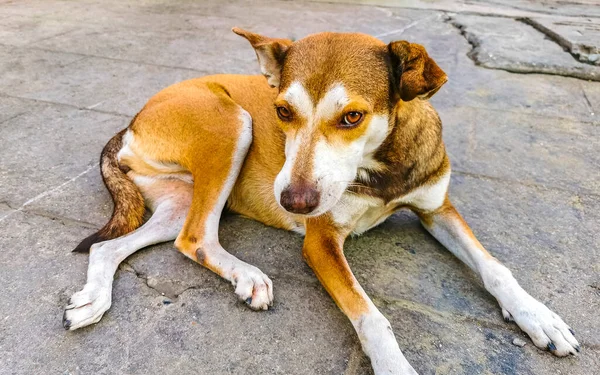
<point>50,132</point>
<point>86,82</point>
<point>525,227</point>
<point>471,86</point>
<point>20,30</point>
<point>581,37</point>
<point>504,43</point>
<point>517,141</point>
<point>207,43</point>
<point>513,8</point>
<point>204,330</point>
<point>524,148</point>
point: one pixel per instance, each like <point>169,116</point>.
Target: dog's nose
<point>300,199</point>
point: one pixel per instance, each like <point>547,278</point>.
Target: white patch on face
<point>332,103</point>
<point>292,146</point>
<point>300,100</point>
<point>333,169</point>
<point>335,165</point>
<point>378,131</point>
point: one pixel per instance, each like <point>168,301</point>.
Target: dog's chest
<point>361,213</point>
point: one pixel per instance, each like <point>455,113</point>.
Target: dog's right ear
<point>270,53</point>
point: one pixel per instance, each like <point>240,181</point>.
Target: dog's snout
<point>300,199</point>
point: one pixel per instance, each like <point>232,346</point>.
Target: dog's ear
<point>415,73</point>
<point>270,53</point>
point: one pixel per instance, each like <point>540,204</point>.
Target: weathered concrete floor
<point>525,151</point>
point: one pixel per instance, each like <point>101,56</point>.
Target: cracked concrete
<point>581,38</point>
<point>516,46</point>
<point>524,153</point>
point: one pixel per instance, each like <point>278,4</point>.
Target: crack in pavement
<point>159,287</point>
<point>48,192</point>
<point>579,52</point>
<point>62,219</point>
<point>581,70</point>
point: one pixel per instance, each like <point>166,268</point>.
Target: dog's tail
<point>129,207</point>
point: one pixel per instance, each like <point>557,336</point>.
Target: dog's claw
<point>508,318</point>
<point>572,332</point>
<point>66,322</point>
<point>551,347</point>
<point>249,300</point>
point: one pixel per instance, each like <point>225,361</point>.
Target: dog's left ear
<point>416,74</point>
<point>270,53</point>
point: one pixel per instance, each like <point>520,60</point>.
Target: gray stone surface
<point>507,8</point>
<point>581,38</point>
<point>524,149</point>
<point>513,45</point>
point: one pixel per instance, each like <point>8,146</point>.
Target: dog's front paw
<point>86,307</point>
<point>253,287</point>
<point>546,329</point>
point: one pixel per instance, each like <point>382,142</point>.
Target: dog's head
<point>336,105</point>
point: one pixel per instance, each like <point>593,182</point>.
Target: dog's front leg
<point>323,250</point>
<point>546,329</point>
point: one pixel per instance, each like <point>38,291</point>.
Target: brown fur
<point>324,252</point>
<point>200,129</point>
<point>448,211</point>
<point>195,125</point>
<point>128,203</point>
<point>413,154</point>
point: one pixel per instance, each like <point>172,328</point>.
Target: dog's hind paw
<point>253,287</point>
<point>545,328</point>
<point>86,307</point>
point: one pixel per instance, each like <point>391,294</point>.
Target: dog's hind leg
<point>170,201</point>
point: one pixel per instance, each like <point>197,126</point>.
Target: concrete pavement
<point>526,161</point>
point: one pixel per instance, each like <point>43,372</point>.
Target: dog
<point>338,137</point>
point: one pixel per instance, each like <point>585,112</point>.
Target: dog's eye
<point>351,119</point>
<point>284,113</point>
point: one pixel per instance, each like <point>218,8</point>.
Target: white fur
<point>376,133</point>
<point>380,345</point>
<point>211,229</point>
<point>428,197</point>
<point>293,145</point>
<point>334,100</point>
<point>535,319</point>
<point>363,212</point>
<point>351,207</point>
<point>126,148</point>
<point>300,100</point>
<point>335,165</point>
<point>87,306</point>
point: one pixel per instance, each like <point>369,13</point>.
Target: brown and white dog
<point>339,139</point>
